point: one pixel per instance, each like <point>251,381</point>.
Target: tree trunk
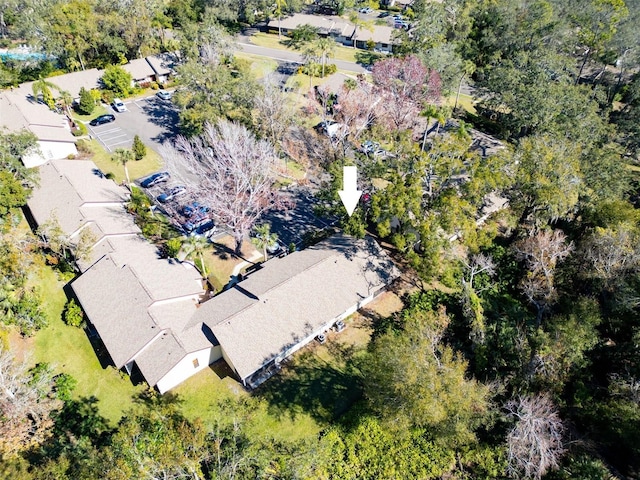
<point>455,105</point>
<point>126,174</point>
<point>584,62</point>
<point>238,248</point>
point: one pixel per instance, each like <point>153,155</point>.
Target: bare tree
<point>535,442</point>
<point>230,171</point>
<point>25,405</point>
<point>613,253</point>
<point>541,252</point>
<point>357,107</point>
<point>273,111</point>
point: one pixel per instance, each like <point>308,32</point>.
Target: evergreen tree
<point>139,148</point>
<point>87,103</point>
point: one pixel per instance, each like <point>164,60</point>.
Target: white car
<point>366,10</point>
<point>118,105</point>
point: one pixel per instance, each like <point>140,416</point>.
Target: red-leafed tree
<point>405,84</point>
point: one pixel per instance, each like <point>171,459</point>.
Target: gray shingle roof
<point>117,305</point>
<point>323,282</point>
<point>162,355</point>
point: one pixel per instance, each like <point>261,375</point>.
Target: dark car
<point>201,227</point>
<point>194,209</point>
<point>108,118</point>
<point>172,193</point>
<point>154,179</point>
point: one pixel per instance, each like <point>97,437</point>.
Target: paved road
<point>287,56</point>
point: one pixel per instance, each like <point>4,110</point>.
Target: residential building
<point>152,314</point>
<point>342,31</point>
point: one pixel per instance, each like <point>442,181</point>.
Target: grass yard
<point>97,111</point>
<point>323,380</point>
<point>68,350</point>
<point>270,40</point>
<point>152,162</point>
<point>465,101</point>
<point>220,260</point>
<point>260,66</point>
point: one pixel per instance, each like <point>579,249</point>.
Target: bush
<point>107,96</point>
<point>117,80</point>
<point>87,103</point>
<point>79,130</point>
<point>172,247</point>
<point>83,146</point>
<point>139,148</point>
<point>72,314</point>
<point>65,384</point>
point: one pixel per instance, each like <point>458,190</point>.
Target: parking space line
<point>114,135</point>
<point>120,143</point>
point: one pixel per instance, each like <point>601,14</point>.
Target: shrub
<point>73,315</point>
<point>83,146</point>
<point>139,148</point>
<point>173,246</point>
<point>107,96</point>
<point>65,384</point>
<point>87,103</point>
<point>79,130</point>
<point>117,80</point>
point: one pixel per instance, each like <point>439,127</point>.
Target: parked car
<point>366,10</point>
<point>154,179</point>
<point>118,105</point>
<point>164,95</point>
<point>172,193</point>
<point>202,227</point>
<point>108,118</point>
<point>194,209</point>
<point>330,128</point>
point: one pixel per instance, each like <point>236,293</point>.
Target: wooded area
<point>517,352</point>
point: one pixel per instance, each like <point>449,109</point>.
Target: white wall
<point>185,369</point>
<point>49,151</point>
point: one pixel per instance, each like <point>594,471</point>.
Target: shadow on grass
<point>314,386</point>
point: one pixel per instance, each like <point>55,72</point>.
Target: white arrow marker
<point>349,193</point>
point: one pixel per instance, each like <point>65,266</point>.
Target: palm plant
<point>42,86</point>
<point>325,48</point>
<point>65,100</point>
<point>194,246</point>
<point>123,156</point>
<point>264,238</point>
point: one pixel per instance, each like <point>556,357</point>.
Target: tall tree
<point>26,404</point>
<point>535,442</point>
<point>122,156</point>
<point>231,171</point>
<point>413,378</point>
<point>264,239</point>
<point>44,87</point>
<point>405,84</point>
<point>194,246</point>
<point>541,253</point>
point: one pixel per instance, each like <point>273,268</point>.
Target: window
<point>196,363</point>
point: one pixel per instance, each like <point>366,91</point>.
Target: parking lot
<point>152,119</point>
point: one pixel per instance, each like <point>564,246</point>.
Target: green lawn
<point>465,101</point>
<point>260,66</point>
<point>270,40</point>
<point>149,164</point>
<point>67,349</point>
<point>99,110</point>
